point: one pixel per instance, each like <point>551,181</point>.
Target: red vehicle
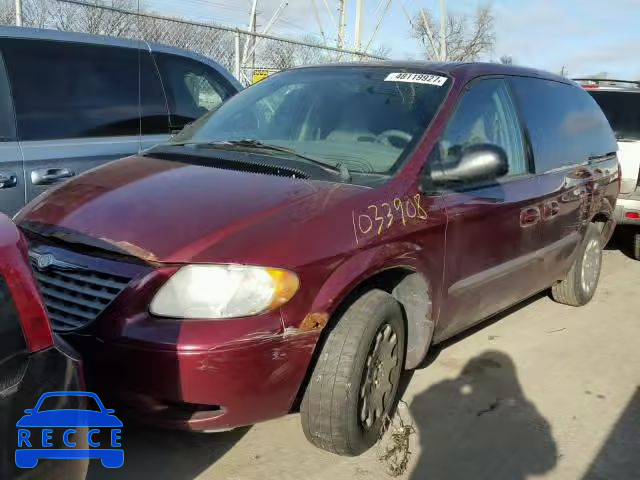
<point>317,233</point>
<point>33,360</point>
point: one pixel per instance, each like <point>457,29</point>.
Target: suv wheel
<point>353,385</point>
<point>581,282</point>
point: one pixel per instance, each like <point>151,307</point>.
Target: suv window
<point>69,90</point>
<point>566,125</point>
<point>622,109</point>
<point>193,88</point>
<point>486,114</point>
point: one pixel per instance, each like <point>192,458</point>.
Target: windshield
<point>622,109</point>
<point>364,119</point>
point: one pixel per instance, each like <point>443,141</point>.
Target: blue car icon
<point>29,452</point>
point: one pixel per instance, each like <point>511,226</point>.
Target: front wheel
<point>353,385</point>
<point>581,282</point>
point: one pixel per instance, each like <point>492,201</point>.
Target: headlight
<point>223,291</point>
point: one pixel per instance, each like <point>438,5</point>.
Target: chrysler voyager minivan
<point>70,102</point>
<point>317,233</point>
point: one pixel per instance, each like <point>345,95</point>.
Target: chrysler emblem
<point>45,261</point>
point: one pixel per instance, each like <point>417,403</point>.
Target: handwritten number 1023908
<point>381,217</point>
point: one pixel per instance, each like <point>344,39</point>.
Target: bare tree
<point>466,36</point>
<point>506,60</point>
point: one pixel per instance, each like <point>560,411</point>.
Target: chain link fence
<point>242,52</point>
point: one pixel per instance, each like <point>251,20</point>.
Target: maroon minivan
<point>316,234</point>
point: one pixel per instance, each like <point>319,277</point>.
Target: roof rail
<point>607,80</point>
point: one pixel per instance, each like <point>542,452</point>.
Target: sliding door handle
<point>529,216</point>
<point>8,179</point>
<point>47,176</point>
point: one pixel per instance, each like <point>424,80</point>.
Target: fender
<point>366,264</point>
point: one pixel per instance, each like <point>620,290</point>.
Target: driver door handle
<point>48,176</point>
<point>8,179</point>
<point>529,216</point>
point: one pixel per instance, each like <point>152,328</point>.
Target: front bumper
<point>220,388</point>
<point>627,207</point>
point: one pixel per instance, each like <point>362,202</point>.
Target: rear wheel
<point>581,282</point>
<point>353,385</point>
<point>636,246</point>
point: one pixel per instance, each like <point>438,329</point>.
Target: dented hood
<point>165,211</point>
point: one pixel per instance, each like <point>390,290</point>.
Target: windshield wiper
<point>344,173</point>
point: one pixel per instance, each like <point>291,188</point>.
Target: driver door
<point>493,236</point>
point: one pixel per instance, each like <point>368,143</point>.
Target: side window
<point>486,114</point>
<point>566,125</point>
<point>69,90</point>
<point>193,88</point>
<point>204,95</point>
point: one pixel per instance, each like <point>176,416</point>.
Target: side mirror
<point>478,163</point>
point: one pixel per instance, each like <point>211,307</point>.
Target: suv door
<point>12,187</point>
<point>574,152</point>
<point>493,235</point>
<point>79,106</point>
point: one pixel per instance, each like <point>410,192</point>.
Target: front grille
<point>74,298</point>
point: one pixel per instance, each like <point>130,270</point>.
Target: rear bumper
<point>205,390</point>
<point>627,206</point>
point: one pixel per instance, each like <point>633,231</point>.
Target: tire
<point>581,282</point>
<point>370,331</point>
<point>635,246</point>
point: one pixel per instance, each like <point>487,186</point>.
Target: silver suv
<point>620,102</point>
<point>70,102</point>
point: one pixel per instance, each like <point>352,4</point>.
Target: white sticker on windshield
<point>424,78</point>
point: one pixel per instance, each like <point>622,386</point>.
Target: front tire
<point>353,385</point>
<point>581,282</point>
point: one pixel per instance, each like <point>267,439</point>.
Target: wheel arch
<point>604,220</point>
<point>401,275</point>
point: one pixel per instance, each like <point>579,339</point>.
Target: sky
<point>585,37</point>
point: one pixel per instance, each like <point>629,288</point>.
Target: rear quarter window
<point>193,88</point>
<point>566,126</point>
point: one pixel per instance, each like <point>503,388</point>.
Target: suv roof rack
<point>608,83</point>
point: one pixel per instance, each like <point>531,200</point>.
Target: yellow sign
<point>259,75</point>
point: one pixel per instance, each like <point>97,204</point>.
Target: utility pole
<point>358,29</point>
<point>252,28</point>
<point>443,32</point>
<point>18,13</point>
<point>342,27</point>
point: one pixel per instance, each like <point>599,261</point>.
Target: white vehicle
<point>620,102</point>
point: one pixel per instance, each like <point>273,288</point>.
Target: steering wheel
<point>385,137</point>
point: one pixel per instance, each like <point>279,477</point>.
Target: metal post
<point>238,59</point>
<point>443,33</point>
<point>343,23</point>
<point>18,13</point>
<point>358,29</point>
